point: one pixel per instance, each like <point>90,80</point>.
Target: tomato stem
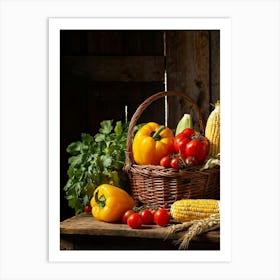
<point>182,163</point>
<point>196,136</point>
<point>156,134</point>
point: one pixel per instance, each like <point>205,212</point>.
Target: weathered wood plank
<point>188,71</point>
<point>215,65</point>
<point>66,245</point>
<point>115,68</point>
<point>104,42</point>
<point>202,71</point>
<point>86,224</point>
<point>108,101</point>
<point>124,42</point>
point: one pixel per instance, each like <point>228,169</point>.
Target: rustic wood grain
<point>188,60</point>
<point>66,245</point>
<point>124,42</point>
<point>215,66</point>
<point>86,224</point>
<point>108,100</point>
<point>201,71</point>
<point>116,68</point>
<point>176,71</point>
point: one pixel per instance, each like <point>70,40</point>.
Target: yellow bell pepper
<point>151,143</point>
<point>109,203</point>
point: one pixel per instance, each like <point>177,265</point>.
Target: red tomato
<point>165,161</point>
<point>87,209</point>
<point>135,220</point>
<point>152,211</point>
<point>197,148</point>
<point>190,161</point>
<point>175,163</point>
<point>182,139</point>
<point>190,143</point>
<point>178,162</point>
<point>126,215</point>
<point>162,217</point>
<point>147,216</point>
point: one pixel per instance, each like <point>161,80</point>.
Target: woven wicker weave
<point>159,186</point>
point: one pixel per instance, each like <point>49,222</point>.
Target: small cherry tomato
<point>126,215</point>
<point>87,209</point>
<point>165,161</point>
<point>162,217</point>
<point>147,216</point>
<point>135,220</point>
<point>175,163</point>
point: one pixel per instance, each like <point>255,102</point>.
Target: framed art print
<point>88,89</point>
<point>110,80</point>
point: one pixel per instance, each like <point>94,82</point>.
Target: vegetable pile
<point>154,144</point>
<point>96,160</point>
<point>135,218</point>
<point>112,204</point>
<point>97,183</point>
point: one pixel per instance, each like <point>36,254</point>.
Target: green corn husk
<point>185,122</point>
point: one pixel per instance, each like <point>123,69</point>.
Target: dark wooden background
<point>102,71</point>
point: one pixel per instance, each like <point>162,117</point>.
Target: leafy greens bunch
<point>96,160</point>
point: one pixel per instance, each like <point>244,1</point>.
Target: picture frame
<point>25,146</point>
<point>55,25</point>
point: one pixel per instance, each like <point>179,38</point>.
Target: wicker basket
<point>159,186</point>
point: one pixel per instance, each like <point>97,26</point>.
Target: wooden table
<point>84,232</point>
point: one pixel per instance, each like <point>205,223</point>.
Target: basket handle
<point>129,157</point>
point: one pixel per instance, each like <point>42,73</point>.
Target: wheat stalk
<point>193,228</point>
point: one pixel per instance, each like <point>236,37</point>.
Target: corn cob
<point>194,209</point>
<point>185,122</point>
<point>212,130</point>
